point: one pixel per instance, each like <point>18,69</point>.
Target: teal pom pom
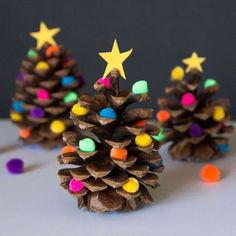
<point>140,87</point>
<point>70,97</point>
<point>223,148</point>
<point>209,83</point>
<point>32,53</point>
<point>87,145</point>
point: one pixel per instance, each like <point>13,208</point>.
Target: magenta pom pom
<point>42,94</point>
<point>188,99</point>
<point>75,185</point>
<point>15,166</point>
<point>105,81</point>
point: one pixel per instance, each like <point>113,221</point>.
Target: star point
<point>194,62</point>
<point>115,59</point>
<point>45,35</point>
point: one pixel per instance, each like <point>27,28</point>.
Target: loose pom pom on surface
<point>132,186</point>
<point>177,73</point>
<point>79,110</point>
<point>15,166</point>
<point>140,87</point>
<point>143,140</point>
<point>210,173</point>
<point>87,145</point>
<point>57,127</point>
<point>108,112</point>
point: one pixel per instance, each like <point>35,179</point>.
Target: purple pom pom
<point>20,76</point>
<point>195,130</point>
<point>37,112</point>
<point>15,166</point>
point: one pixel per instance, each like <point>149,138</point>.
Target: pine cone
<point>116,151</point>
<point>193,121</point>
<point>46,88</point>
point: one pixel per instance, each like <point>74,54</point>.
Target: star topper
<point>194,62</point>
<point>115,59</point>
<point>45,35</point>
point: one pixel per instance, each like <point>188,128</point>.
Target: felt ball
<point>70,97</point>
<point>15,116</point>
<point>140,123</point>
<point>87,145</point>
<point>18,106</point>
<point>32,53</point>
<point>75,185</point>
<point>163,115</point>
<point>68,149</point>
<point>209,83</point>
<point>210,173</point>
<point>177,73</point>
<point>223,148</point>
<point>15,166</point>
<point>219,113</point>
<point>195,130</point>
<point>140,87</point>
<point>188,99</point>
<point>24,133</point>
<point>143,140</point>
<point>67,60</point>
<point>132,186</point>
<point>52,49</point>
<point>37,112</point>
<point>20,76</point>
<point>105,82</point>
<point>57,127</point>
<point>108,112</point>
<point>42,65</point>
<point>79,110</point>
<point>42,94</point>
<point>119,154</point>
<point>67,80</point>
<point>159,137</point>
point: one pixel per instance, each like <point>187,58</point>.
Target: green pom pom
<point>159,137</point>
<point>70,97</point>
<point>87,145</point>
<point>140,87</point>
<point>209,83</point>
<point>32,53</point>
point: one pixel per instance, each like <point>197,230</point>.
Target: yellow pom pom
<point>57,127</point>
<point>15,116</point>
<point>177,73</point>
<point>79,111</point>
<point>42,65</point>
<point>219,113</point>
<point>132,186</point>
<point>143,140</point>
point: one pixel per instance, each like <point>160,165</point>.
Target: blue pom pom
<point>223,148</point>
<point>153,166</point>
<point>108,113</point>
<point>18,106</point>
<point>67,80</point>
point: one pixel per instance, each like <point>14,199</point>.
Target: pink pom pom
<point>75,186</point>
<point>188,99</point>
<point>105,81</point>
<point>42,94</point>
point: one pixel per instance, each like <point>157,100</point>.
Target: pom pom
<point>195,130</point>
<point>67,81</point>
<point>143,140</point>
<point>15,166</point>
<point>210,173</point>
<point>105,82</point>
<point>68,149</point>
<point>70,97</point>
<point>223,148</point>
<point>37,112</point>
<point>32,53</point>
<point>24,133</point>
<point>52,49</point>
<point>140,87</point>
<point>119,154</point>
<point>163,115</point>
<point>15,117</point>
<point>209,83</point>
<point>79,110</point>
<point>42,94</point>
<point>18,106</point>
<point>188,99</point>
<point>42,65</point>
<point>75,185</point>
<point>219,113</point>
<point>132,186</point>
<point>20,76</point>
<point>87,145</point>
<point>108,112</point>
<point>159,137</point>
<point>57,127</point>
<point>140,123</point>
<point>177,73</point>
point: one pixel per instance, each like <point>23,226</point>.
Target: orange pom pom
<point>24,133</point>
<point>140,123</point>
<point>52,49</point>
<point>210,173</point>
<point>68,149</point>
<point>119,154</point>
<point>163,115</point>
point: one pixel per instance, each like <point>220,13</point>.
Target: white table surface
<point>33,203</point>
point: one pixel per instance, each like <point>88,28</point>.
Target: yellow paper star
<point>115,59</point>
<point>194,62</point>
<point>45,35</point>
